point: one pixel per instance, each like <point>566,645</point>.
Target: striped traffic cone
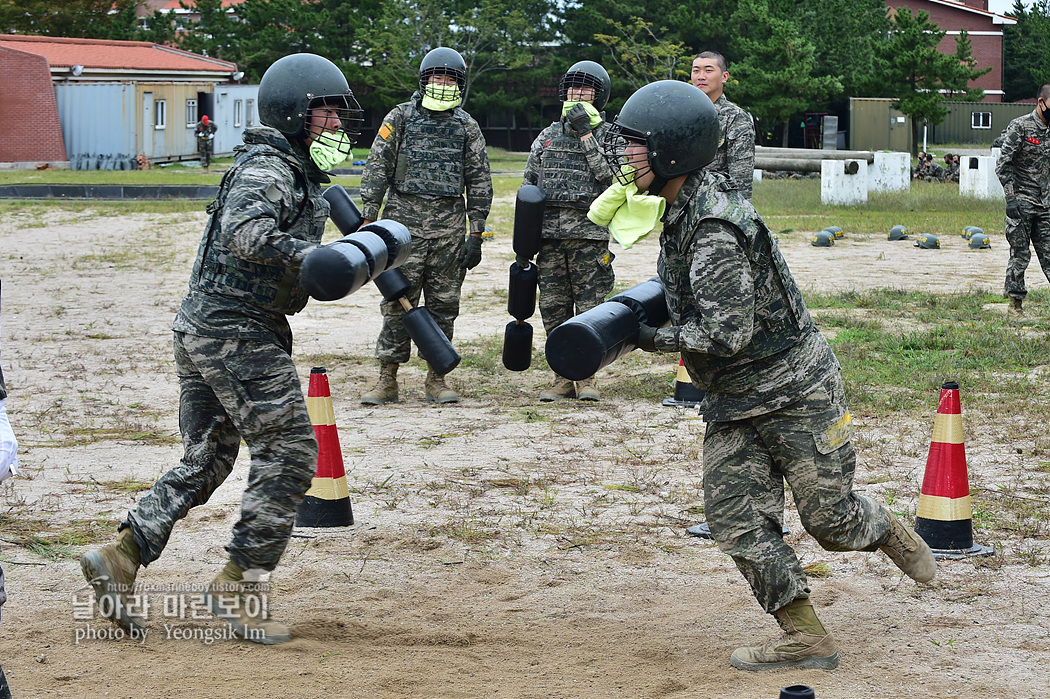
<point>327,502</point>
<point>686,395</point>
<point>944,518</point>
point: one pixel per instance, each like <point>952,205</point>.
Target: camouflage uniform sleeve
<point>592,150</point>
<point>533,166</point>
<point>740,151</point>
<point>723,296</point>
<point>382,161</point>
<point>1005,168</point>
<point>477,177</point>
<point>263,194</point>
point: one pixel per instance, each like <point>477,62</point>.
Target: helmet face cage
<point>442,92</point>
<point>627,168</point>
<point>344,108</point>
<point>578,78</point>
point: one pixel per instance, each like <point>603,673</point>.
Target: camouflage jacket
<point>1024,163</point>
<point>268,216</point>
<point>735,157</point>
<point>427,215</point>
<point>593,169</point>
<point>737,315</point>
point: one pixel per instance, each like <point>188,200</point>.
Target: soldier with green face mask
<point>233,350</point>
<point>574,260</point>
<point>429,161</point>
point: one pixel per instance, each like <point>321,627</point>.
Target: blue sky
<point>1003,6</point>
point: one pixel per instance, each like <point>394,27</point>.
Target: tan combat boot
<point>111,571</point>
<point>1015,313</point>
<point>805,643</point>
<point>437,391</point>
<point>560,389</point>
<point>908,551</point>
<point>588,390</point>
<point>239,597</point>
<point>386,390</point>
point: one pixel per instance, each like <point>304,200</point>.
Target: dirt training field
<point>502,547</point>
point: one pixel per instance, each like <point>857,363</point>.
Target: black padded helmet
<point>297,83</point>
<point>442,61</point>
<point>587,74</point>
<point>678,125</point>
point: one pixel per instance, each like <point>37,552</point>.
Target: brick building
<point>985,30</point>
<point>28,114</point>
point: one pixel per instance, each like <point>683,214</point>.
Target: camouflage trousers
<point>229,390</point>
<point>435,273</point>
<point>1031,230</point>
<point>575,276</point>
<point>746,463</point>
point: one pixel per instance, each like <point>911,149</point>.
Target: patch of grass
<point>55,542</point>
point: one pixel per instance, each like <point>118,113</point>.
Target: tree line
<point>787,57</point>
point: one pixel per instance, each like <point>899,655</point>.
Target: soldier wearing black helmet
<point>233,350</point>
<point>428,154</point>
<point>574,260</point>
<point>774,403</point>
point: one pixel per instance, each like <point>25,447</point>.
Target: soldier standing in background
<point>233,351</point>
<point>1024,170</point>
<point>565,161</point>
<point>205,133</point>
<point>775,405</point>
<point>427,154</point>
<point>736,142</point>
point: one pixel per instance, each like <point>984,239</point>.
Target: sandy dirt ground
<point>502,547</point>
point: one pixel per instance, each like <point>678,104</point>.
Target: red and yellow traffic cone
<point>327,502</point>
<point>686,395</point>
<point>944,518</point>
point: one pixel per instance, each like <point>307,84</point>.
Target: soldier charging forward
<point>574,260</point>
<point>775,405</point>
<point>428,154</point>
<point>233,350</point>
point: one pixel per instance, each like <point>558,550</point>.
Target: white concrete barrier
<point>891,172</point>
<point>977,178</point>
<point>840,188</point>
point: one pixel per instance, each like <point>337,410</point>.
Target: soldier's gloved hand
<point>1013,209</point>
<point>471,255</point>
<point>646,338</point>
<point>522,261</point>
<point>579,119</point>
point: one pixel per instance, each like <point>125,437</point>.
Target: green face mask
<point>329,149</point>
<point>439,98</point>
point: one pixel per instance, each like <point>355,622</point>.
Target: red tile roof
<point>98,53</point>
<point>190,4</point>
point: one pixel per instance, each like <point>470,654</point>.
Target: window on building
<point>249,116</point>
<point>980,120</point>
<point>160,114</point>
<point>238,113</point>
<point>191,113</point>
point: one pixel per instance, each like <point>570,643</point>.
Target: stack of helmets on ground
<point>928,241</point>
<point>897,233</point>
<point>968,231</point>
<point>823,239</point>
<point>835,230</point>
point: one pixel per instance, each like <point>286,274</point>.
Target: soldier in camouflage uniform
<point>1024,170</point>
<point>428,152</point>
<point>735,158</point>
<point>775,408</point>
<point>233,350</point>
<point>574,260</point>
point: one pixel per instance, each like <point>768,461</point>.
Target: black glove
<point>579,119</point>
<point>1013,209</point>
<point>646,338</point>
<point>471,255</point>
<point>522,261</point>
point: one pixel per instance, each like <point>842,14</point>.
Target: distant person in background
<point>205,133</point>
<point>1024,171</point>
<point>736,142</point>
